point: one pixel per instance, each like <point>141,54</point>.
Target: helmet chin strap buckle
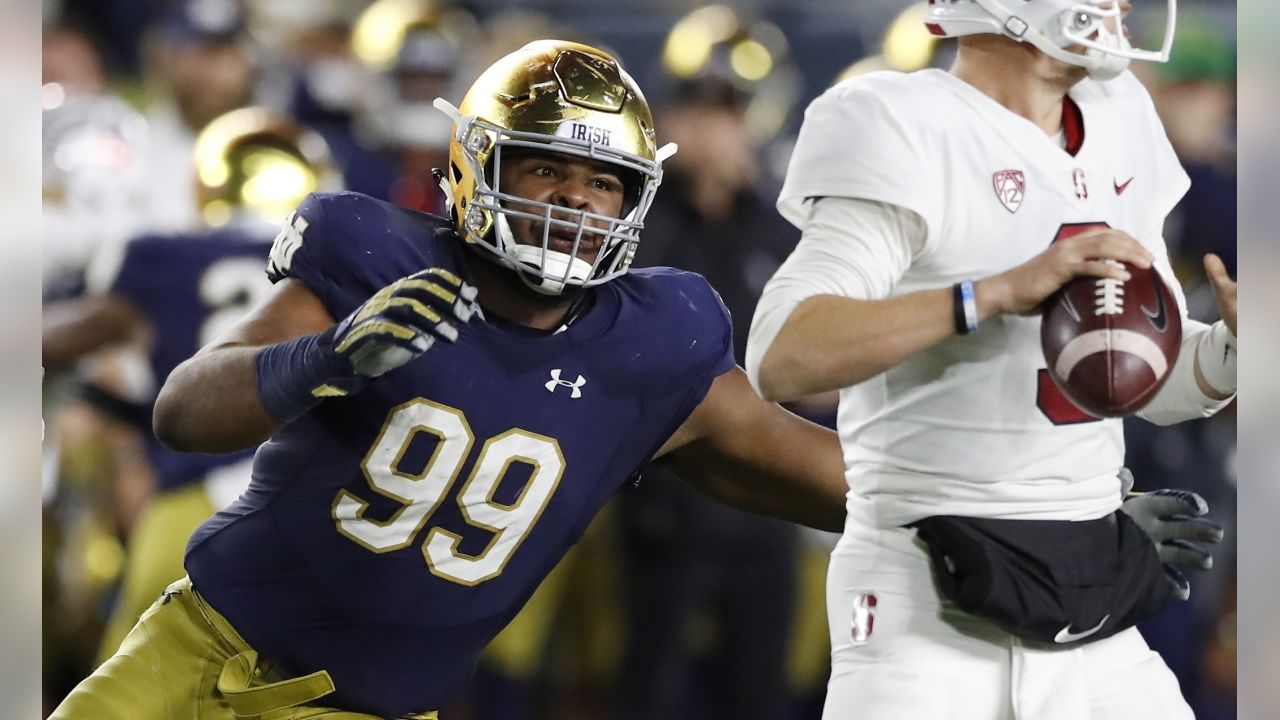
<point>446,187</point>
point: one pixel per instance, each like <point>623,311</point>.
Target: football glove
<point>398,323</point>
<point>1174,519</point>
<point>403,320</point>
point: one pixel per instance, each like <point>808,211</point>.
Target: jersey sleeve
<point>697,341</point>
<point>854,143</point>
<point>723,360</point>
<point>312,248</point>
<point>716,325</point>
<point>717,329</point>
<point>1169,181</point>
<point>687,329</point>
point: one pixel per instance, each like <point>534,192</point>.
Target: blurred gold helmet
<point>562,97</point>
<point>729,56</point>
<point>907,46</point>
<point>258,161</point>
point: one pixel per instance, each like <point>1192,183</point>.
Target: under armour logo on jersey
<point>864,618</point>
<point>1010,187</point>
<point>575,386</point>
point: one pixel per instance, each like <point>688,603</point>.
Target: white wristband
<point>1216,356</point>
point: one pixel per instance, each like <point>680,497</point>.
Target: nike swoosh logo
<point>1158,319</point>
<point>1070,307</point>
<point>1065,635</point>
<point>1121,187</point>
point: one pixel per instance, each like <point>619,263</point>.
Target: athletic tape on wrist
<point>1216,353</point>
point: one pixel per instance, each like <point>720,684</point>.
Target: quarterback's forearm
<point>831,342</point>
<point>1202,382</point>
<point>210,403</point>
<point>827,319</point>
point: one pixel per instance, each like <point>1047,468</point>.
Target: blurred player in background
<point>366,79</point>
<point>926,203</point>
<point>92,143</point>
<point>170,295</point>
<point>200,67</point>
<point>355,573</point>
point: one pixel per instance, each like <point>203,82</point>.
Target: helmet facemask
<point>542,268</point>
<point>564,114</point>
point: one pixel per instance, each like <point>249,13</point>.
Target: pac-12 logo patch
<point>1010,187</point>
<point>864,617</point>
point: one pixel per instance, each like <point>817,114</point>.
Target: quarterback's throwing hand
<point>402,320</point>
<point>1022,289</point>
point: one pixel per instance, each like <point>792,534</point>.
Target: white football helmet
<point>1073,31</point>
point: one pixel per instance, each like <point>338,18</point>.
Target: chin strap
<point>446,187</point>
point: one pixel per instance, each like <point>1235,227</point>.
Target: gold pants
<point>184,660</point>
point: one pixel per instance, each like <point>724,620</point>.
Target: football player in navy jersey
<point>171,294</point>
<point>445,404</point>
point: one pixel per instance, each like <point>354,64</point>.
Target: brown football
<point>1110,345</point>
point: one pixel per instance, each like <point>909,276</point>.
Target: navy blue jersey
<point>389,535</point>
<point>190,289</point>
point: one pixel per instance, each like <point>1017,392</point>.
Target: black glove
<point>1174,521</point>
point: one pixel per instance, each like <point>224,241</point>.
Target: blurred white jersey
<point>974,425</point>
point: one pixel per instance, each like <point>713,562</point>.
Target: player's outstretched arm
<point>829,342</point>
<point>74,328</point>
<point>288,356</point>
<point>756,456</point>
<point>210,402</point>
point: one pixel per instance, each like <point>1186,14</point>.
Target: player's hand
<point>1174,519</point>
<point>1023,289</point>
<point>403,320</point>
<point>1224,289</point>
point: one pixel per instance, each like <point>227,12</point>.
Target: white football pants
<point>901,652</point>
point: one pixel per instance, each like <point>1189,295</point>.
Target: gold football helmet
<point>260,161</point>
<point>563,97</point>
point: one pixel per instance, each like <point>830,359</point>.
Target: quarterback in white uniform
<point>939,209</point>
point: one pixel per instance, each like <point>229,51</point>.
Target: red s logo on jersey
<point>864,618</point>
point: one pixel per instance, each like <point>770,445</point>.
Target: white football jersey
<point>974,425</point>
